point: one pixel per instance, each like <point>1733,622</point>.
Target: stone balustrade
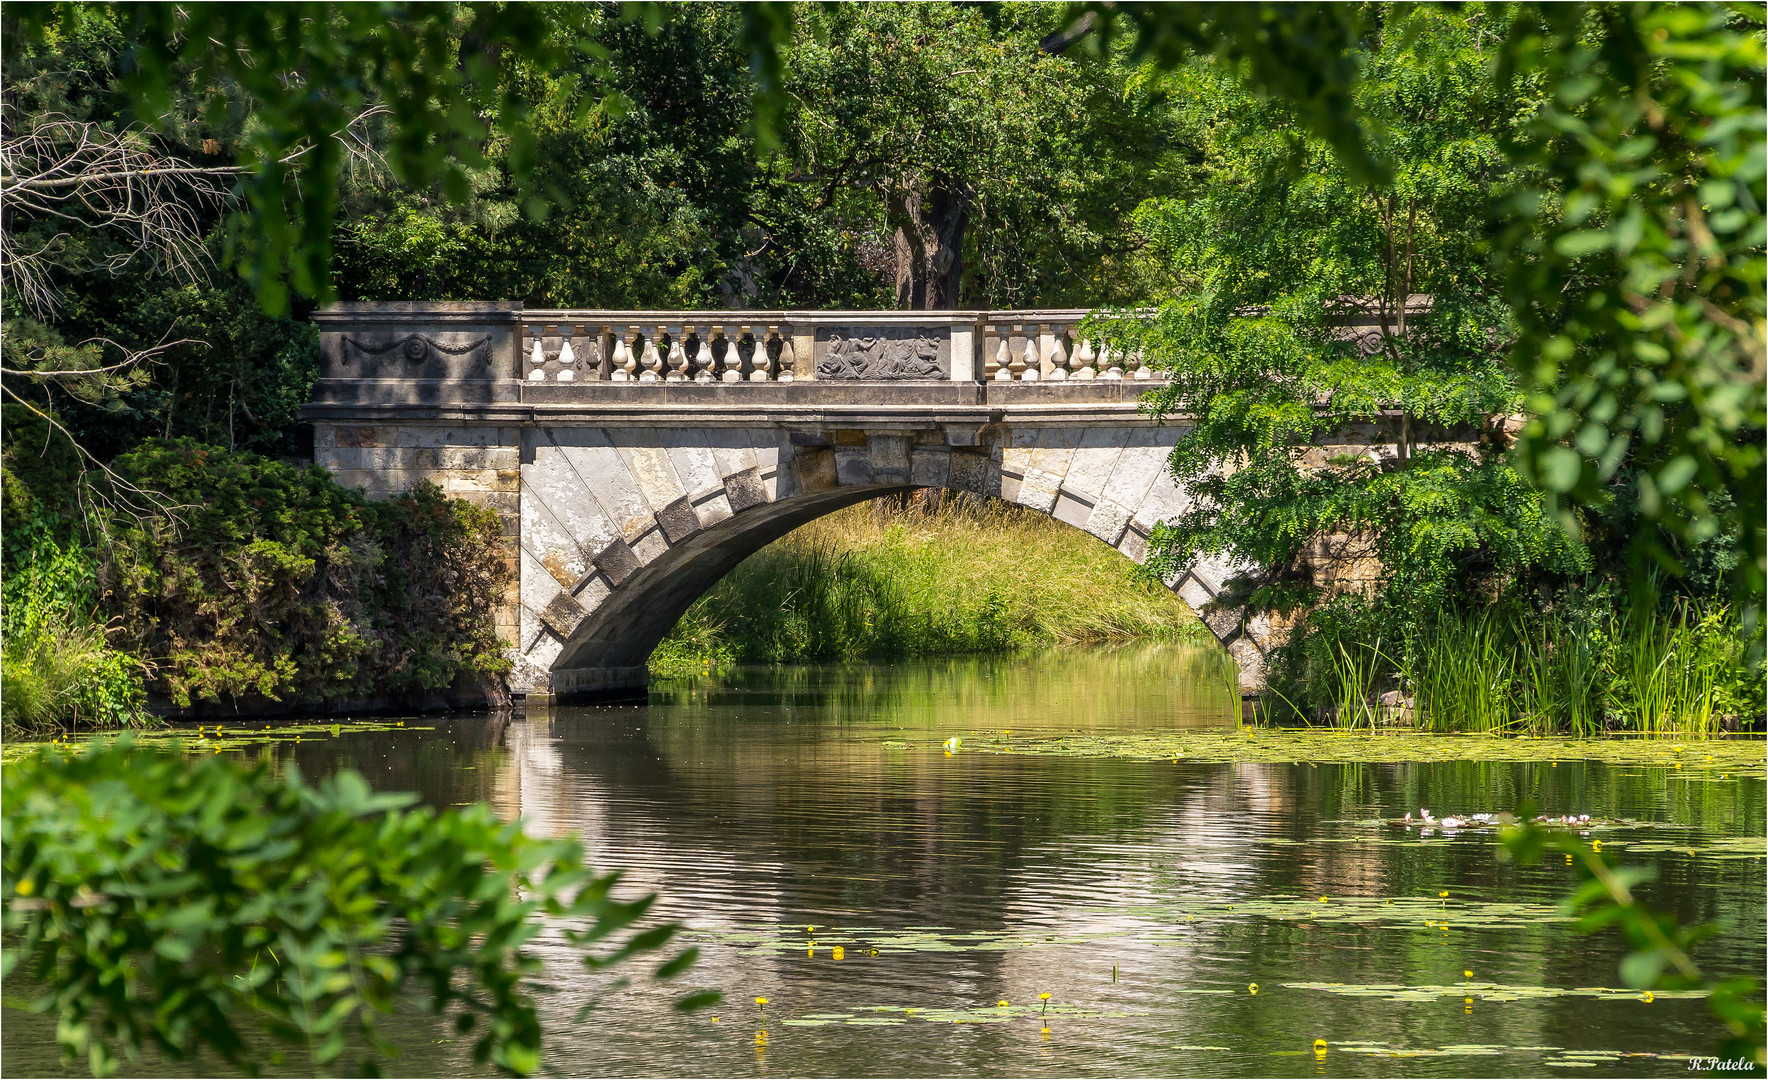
<point>461,344</point>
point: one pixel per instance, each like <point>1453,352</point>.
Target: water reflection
<point>779,815</point>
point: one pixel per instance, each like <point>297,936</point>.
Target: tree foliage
<point>1635,265</point>
<point>1280,246</point>
<point>1631,256</point>
<point>180,904</point>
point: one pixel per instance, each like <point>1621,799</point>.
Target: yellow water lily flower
<point>1252,988</point>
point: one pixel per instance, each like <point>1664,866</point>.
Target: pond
<point>785,813</point>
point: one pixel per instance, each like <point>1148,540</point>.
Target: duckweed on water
<point>1483,991</point>
<point>211,738</point>
<point>1734,758</point>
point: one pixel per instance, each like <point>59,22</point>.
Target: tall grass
<point>1676,672</point>
<point>1672,671</point>
<point>1560,673</point>
<point>888,580</point>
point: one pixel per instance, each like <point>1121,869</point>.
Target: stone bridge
<point>638,456</point>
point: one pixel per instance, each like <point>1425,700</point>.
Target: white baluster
<point>703,355</point>
<point>788,356</point>
<point>761,364</point>
<point>733,357</point>
<point>678,357</point>
<point>1058,356</point>
<point>651,361</point>
<point>1084,358</point>
<point>590,363</point>
<point>1110,362</point>
<point>1003,358</point>
<point>622,360</point>
<point>536,356</point>
<point>1030,365</point>
<point>567,361</point>
<point>1143,371</point>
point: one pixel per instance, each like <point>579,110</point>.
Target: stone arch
<point>622,528</point>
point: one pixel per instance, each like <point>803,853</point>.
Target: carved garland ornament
<point>416,348</point>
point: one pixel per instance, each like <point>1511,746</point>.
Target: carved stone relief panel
<point>877,354</point>
<point>375,353</point>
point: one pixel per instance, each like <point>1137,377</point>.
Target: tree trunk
<point>929,246</point>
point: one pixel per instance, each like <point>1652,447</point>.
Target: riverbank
<point>921,578</point>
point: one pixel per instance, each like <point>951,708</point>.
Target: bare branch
<point>120,183</point>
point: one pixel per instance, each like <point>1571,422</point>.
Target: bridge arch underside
<point>622,529</point>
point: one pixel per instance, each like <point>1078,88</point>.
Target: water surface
<point>783,812</point>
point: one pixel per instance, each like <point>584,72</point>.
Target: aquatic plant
<point>1659,945</point>
<point>1574,668</point>
<point>1460,670</point>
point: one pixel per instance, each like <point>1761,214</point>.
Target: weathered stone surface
<point>1094,459</point>
<point>652,471</point>
<point>888,455</point>
<point>815,467</point>
<point>1072,509</point>
<point>930,466</point>
<point>678,520</point>
<point>744,489</point>
<point>617,561</point>
<point>564,614</point>
<point>852,465</point>
<point>551,545</point>
<point>1108,521</point>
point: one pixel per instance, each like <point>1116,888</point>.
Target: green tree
<point>1268,258</point>
<point>987,170</point>
<point>1632,260</point>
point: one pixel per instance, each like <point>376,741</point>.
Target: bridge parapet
<point>500,353</point>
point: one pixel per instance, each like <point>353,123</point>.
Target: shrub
<point>56,670</point>
<point>269,582</point>
<point>172,902</point>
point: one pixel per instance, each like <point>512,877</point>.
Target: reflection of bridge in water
<point>637,457</point>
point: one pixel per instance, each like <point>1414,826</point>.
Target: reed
<point>1355,674</point>
<point>1671,668</point>
<point>1560,674</point>
<point>1460,668</point>
<point>1674,672</point>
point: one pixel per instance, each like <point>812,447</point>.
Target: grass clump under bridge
<point>930,575</point>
